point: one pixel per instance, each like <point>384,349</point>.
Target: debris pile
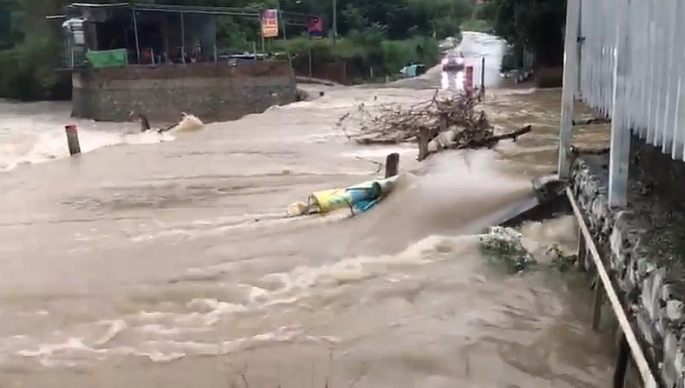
<point>505,245</point>
<point>436,124</point>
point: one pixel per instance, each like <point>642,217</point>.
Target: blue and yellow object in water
<point>358,198</point>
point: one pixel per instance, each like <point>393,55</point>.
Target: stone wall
<point>336,72</point>
<point>643,247</point>
<point>211,91</point>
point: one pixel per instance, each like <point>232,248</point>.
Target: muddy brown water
<point>166,261</point>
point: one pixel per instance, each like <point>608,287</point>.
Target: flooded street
<point>167,261</point>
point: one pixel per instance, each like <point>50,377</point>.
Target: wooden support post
<point>72,139</point>
<point>582,252</point>
<point>423,144</point>
<point>392,162</point>
<point>621,361</point>
<point>597,304</point>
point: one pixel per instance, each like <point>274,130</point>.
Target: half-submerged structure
<point>163,60</point>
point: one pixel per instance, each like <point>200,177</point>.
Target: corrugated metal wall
<point>653,97</point>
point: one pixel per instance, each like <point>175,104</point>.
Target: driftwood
<point>589,151</point>
<point>596,120</point>
<point>436,124</point>
<point>145,123</point>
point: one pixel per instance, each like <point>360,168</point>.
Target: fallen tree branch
<point>595,120</point>
<point>490,142</point>
<point>436,124</point>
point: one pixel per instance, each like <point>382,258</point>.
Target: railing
<point>76,56</point>
<point>588,255</point>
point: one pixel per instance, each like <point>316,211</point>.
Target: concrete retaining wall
<point>211,91</point>
<point>643,247</point>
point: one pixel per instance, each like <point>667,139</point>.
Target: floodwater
<point>166,261</point>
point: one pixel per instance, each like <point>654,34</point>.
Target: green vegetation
<point>381,35</point>
<point>533,25</point>
<point>366,55</point>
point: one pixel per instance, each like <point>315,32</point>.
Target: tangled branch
<point>439,123</point>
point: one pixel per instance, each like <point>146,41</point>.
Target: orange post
<point>468,81</point>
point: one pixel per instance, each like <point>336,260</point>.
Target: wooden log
<point>596,120</point>
<point>493,140</point>
<point>392,163</point>
<point>72,139</point>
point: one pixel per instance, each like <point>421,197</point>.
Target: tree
<point>31,47</point>
<point>537,25</point>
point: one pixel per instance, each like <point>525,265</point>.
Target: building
<point>163,60</point>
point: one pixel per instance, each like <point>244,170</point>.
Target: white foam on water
<point>74,350</point>
<point>165,333</point>
<point>32,142</point>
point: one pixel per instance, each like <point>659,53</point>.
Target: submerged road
<point>168,263</point>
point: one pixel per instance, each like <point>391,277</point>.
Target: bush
<point>361,53</point>
<point>29,68</point>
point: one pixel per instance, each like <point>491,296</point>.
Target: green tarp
<point>109,58</point>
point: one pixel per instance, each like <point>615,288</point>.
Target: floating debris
<point>358,198</point>
<point>504,245</point>
<point>438,123</point>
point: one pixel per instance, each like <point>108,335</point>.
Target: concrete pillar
<point>571,67</point>
<point>620,127</point>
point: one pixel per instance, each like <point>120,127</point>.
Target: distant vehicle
<point>413,70</point>
<point>449,43</point>
<point>453,62</point>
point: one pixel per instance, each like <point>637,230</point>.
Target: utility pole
<point>335,21</point>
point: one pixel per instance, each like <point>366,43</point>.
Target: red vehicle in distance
<point>453,62</point>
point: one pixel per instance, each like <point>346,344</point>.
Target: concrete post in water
<point>72,139</point>
<point>569,85</point>
<point>392,162</point>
